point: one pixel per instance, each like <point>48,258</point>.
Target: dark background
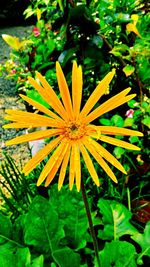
<point>11,12</point>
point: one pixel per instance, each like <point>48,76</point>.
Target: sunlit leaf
<point>144,241</point>
<point>116,219</point>
<point>128,70</point>
<point>117,253</point>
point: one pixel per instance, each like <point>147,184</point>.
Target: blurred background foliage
<point>99,35</point>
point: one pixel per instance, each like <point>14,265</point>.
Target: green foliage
<point>72,212</point>
<point>19,192</point>
<point>115,218</point>
<point>99,35</point>
<point>118,253</point>
<point>144,241</point>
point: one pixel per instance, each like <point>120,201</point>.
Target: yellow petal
<point>89,165</point>
<point>112,130</point>
<point>33,136</point>
<point>64,91</point>
<point>51,162</point>
<point>101,162</point>
<point>56,166</point>
<point>41,107</point>
<point>107,106</point>
<point>30,118</point>
<point>132,28</point>
<point>63,168</point>
<point>41,154</point>
<point>76,88</point>
<point>77,167</point>
<point>98,92</point>
<point>107,156</point>
<point>18,125</point>
<point>48,94</point>
<point>117,142</point>
<point>72,168</point>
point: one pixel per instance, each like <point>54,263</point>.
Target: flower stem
<point>88,213</point>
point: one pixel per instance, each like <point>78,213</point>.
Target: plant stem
<point>88,213</point>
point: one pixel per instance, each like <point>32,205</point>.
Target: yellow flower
<point>72,130</point>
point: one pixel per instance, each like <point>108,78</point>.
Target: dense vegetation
<point>46,227</point>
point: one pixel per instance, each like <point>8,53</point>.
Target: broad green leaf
<point>11,255</point>
<point>115,218</point>
<point>117,254</point>
<point>66,257</point>
<point>70,208</point>
<point>144,241</point>
<point>43,229</point>
<point>128,70</point>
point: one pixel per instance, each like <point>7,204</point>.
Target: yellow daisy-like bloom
<point>75,135</point>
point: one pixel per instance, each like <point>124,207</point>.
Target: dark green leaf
<point>66,257</point>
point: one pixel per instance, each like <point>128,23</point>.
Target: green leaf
<point>128,70</point>
<point>104,121</point>
<point>67,257</point>
<point>115,218</point>
<point>70,208</point>
<point>119,151</point>
<point>50,46</point>
<point>43,229</point>
<point>66,55</point>
<point>11,255</point>
<point>146,121</point>
<point>134,139</point>
<point>144,241</point>
<point>117,254</point>
<point>128,122</point>
<point>38,262</point>
<point>132,103</point>
<point>117,120</point>
<point>37,97</point>
<point>5,228</point>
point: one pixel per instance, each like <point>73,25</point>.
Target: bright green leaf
<point>117,120</point>
<point>117,254</point>
<point>104,121</point>
<point>144,241</point>
<point>128,70</point>
<point>119,151</point>
<point>116,219</point>
<point>146,121</point>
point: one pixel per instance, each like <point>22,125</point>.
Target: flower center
<point>74,130</point>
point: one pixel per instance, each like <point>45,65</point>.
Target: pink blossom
<point>130,113</point>
<point>36,31</point>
